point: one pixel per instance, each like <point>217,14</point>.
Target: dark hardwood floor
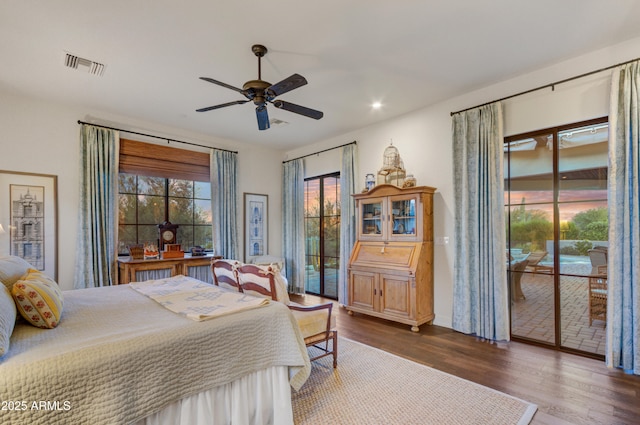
<point>567,388</point>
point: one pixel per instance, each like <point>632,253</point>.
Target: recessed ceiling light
<point>376,105</point>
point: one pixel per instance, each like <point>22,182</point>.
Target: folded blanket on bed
<point>195,299</point>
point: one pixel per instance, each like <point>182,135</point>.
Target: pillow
<point>12,268</point>
<point>7,318</point>
<point>276,263</point>
<point>281,288</point>
<point>39,299</point>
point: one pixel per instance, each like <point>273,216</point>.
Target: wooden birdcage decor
<point>392,171</point>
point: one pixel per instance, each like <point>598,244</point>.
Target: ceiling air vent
<point>82,64</point>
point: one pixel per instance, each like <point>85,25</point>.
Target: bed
<point>119,357</point>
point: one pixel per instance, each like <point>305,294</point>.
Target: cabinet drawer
<point>390,254</point>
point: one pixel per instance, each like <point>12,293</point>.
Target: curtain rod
<point>155,137</point>
<point>324,150</point>
<point>552,85</point>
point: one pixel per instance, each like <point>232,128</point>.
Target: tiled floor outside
<point>312,282</point>
<point>533,317</point>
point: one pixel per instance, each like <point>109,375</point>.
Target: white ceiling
<point>406,54</point>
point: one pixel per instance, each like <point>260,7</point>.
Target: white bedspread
<point>117,356</point>
<point>195,299</point>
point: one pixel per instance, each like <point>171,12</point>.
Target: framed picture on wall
<point>256,225</point>
<point>29,219</point>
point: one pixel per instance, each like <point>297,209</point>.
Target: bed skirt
<point>259,398</point>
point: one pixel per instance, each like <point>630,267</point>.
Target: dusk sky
<point>570,201</point>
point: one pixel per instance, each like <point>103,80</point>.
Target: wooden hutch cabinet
<point>391,265</point>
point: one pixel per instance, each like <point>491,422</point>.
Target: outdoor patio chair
<point>534,265</point>
<point>598,257</point>
<point>598,295</point>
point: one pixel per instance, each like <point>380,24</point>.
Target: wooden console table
<point>128,267</point>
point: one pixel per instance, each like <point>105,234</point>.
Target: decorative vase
<point>369,181</point>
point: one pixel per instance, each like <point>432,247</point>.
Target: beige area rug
<point>371,386</point>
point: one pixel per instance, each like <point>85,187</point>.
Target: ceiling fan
<point>261,92</point>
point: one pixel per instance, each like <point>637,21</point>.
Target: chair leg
<point>335,349</point>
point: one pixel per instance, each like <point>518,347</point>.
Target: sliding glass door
<point>322,235</point>
<point>557,235</point>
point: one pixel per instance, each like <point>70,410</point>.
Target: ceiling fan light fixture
<point>261,92</point>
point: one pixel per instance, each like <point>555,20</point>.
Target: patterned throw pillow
<point>7,318</point>
<point>39,299</point>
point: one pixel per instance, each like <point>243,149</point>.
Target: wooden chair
<point>598,294</point>
<point>262,281</point>
<point>316,323</point>
<point>224,274</point>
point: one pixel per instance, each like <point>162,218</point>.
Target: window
<point>556,209</point>
<point>146,202</point>
<point>158,184</point>
<point>322,235</point>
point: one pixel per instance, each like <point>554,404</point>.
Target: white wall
<point>423,138</point>
<point>41,137</point>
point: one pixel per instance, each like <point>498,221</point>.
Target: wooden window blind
<point>163,161</point>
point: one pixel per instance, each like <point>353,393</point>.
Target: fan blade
<point>292,107</point>
<point>211,80</point>
<point>288,84</point>
<point>222,105</point>
<point>263,117</point>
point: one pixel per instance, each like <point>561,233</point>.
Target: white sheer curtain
<point>347,214</point>
<point>293,223</point>
<point>623,302</point>
<point>96,252</point>
<point>480,292</point>
<point>224,202</point>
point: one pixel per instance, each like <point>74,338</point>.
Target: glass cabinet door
<point>371,222</point>
<point>403,217</point>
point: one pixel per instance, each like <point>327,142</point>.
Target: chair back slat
<point>257,281</point>
<point>225,275</point>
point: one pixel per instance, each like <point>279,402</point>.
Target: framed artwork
<point>256,224</point>
<point>29,219</point>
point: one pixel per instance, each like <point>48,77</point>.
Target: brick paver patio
<point>533,317</point>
